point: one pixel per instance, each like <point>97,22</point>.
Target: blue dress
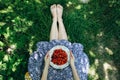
<point>36,61</point>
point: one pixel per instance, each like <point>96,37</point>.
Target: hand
<point>47,59</point>
<point>72,59</point>
<point>74,71</point>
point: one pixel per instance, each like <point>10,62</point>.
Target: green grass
<point>96,25</point>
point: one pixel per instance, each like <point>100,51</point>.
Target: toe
<point>53,6</point>
<point>59,6</point>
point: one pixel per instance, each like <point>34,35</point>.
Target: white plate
<point>68,57</point>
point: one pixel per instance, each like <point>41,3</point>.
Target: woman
<point>79,63</point>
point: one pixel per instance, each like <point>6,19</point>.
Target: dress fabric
<point>36,61</point>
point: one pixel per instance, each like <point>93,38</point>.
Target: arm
<point>45,71</point>
<point>74,71</point>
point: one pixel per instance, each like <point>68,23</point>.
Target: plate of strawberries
<point>59,57</point>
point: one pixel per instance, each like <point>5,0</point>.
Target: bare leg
<point>54,30</point>
<point>62,32</point>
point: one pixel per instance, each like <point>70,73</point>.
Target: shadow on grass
<point>95,25</point>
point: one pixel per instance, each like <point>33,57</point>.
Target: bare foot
<point>54,11</point>
<point>59,12</point>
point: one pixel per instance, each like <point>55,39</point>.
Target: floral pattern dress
<point>36,61</point>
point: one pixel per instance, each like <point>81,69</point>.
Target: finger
<point>47,55</point>
<point>71,54</point>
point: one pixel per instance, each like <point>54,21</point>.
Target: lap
<point>36,61</point>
